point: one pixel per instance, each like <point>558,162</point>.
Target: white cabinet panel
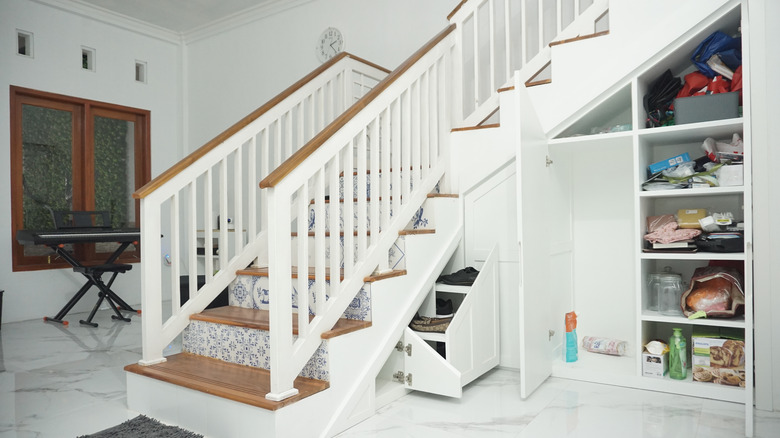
<point>534,246</point>
<point>427,371</point>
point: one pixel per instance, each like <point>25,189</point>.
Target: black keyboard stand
<point>94,274</point>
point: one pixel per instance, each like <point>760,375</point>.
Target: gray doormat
<point>142,426</point>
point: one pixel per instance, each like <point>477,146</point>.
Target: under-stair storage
<point>597,205</point>
<point>443,362</point>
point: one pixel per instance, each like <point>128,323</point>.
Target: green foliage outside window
<point>113,189</point>
<point>47,148</point>
<point>47,166</point>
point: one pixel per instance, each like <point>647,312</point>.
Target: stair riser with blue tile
<point>244,346</point>
<point>251,292</point>
<point>395,257</point>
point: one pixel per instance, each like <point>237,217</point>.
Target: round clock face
<point>330,44</point>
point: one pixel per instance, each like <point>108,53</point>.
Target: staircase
<point>350,222</point>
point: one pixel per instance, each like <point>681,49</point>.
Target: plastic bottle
<point>678,363</point>
<point>571,337</point>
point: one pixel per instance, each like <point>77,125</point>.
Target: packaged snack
<point>612,347</point>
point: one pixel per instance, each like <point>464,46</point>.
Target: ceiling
<point>182,15</point>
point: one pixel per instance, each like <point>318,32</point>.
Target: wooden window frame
<point>83,111</point>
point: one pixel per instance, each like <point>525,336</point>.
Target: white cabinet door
<point>427,371</point>
<point>534,245</point>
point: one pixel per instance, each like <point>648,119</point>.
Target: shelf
<point>599,368</point>
<point>593,137</point>
<point>679,193</point>
<point>653,316</point>
<point>693,256</point>
<point>441,287</point>
<point>697,389</point>
<point>431,336</point>
<point>612,110</point>
<point>622,371</point>
<point>716,129</point>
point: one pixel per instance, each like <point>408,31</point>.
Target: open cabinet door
<point>534,244</point>
<point>427,371</point>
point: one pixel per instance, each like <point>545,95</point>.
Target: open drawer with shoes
<point>440,354</point>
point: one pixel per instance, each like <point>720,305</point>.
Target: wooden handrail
<point>457,8</point>
<point>174,170</point>
<point>301,154</point>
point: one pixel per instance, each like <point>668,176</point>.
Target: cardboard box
<point>718,357</point>
<point>669,163</point>
<point>654,365</point>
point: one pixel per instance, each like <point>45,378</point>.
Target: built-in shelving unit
<point>609,291</point>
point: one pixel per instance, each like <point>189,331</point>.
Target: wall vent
<point>24,43</point>
<point>87,58</point>
<point>140,71</point>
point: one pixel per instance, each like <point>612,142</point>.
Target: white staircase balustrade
<point>498,37</point>
<point>302,144</point>
<point>182,205</point>
<point>397,130</point>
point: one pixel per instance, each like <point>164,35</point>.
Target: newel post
<point>280,295</point>
<point>151,280</point>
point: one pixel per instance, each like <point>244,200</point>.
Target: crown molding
<point>97,13</point>
<point>241,18</point>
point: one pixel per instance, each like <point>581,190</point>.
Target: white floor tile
<point>60,381</point>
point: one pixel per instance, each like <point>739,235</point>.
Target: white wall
<point>234,72</point>
<point>56,67</point>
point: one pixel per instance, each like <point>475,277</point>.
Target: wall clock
<point>330,43</point>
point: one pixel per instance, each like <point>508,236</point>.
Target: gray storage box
<point>705,108</point>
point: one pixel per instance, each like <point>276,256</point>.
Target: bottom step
<point>222,379</point>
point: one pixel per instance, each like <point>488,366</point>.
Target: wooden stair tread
<point>384,275</point>
<point>415,232</point>
<point>442,195</point>
<point>539,82</point>
<point>263,272</point>
<point>579,38</point>
<point>474,128</point>
<point>235,382</point>
<point>258,319</point>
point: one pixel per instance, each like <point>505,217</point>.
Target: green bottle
<point>678,363</point>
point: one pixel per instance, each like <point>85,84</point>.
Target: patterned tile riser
<point>251,292</point>
<point>396,254</point>
<point>421,219</point>
<point>436,189</point>
<point>245,346</point>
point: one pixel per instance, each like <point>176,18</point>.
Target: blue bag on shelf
<point>729,50</point>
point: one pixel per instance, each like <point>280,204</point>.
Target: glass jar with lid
<point>654,287</point>
<point>670,291</point>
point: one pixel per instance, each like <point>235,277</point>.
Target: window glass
<point>114,169</point>
<point>47,174</point>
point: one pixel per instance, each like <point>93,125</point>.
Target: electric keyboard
<point>78,235</point>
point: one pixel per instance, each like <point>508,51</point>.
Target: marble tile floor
<point>60,381</point>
